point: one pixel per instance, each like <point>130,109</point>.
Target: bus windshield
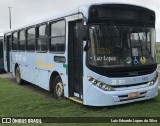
<point>111,45</point>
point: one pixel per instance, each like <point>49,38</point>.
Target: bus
<point>1,54</point>
<point>97,55</point>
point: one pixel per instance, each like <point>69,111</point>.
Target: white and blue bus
<point>97,55</point>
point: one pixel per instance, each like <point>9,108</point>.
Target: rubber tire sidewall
<point>57,79</point>
<point>20,80</point>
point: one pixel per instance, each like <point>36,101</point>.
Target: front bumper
<point>98,97</point>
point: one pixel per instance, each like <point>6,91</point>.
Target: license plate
<point>133,95</point>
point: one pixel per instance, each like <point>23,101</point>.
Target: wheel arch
<point>16,65</point>
<point>52,79</point>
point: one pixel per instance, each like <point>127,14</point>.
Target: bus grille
<point>125,97</point>
<point>129,85</point>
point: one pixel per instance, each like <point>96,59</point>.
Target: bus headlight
<point>100,85</point>
<point>152,82</point>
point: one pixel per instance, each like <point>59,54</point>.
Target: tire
<point>58,88</point>
<point>18,76</point>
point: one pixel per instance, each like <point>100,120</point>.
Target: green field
<point>17,101</point>
<point>158,58</point>
<point>158,54</point>
<point>157,45</point>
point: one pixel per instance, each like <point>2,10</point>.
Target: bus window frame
<point>49,37</point>
<point>21,40</point>
<point>5,40</point>
<point>12,41</point>
<point>30,39</point>
<point>37,37</point>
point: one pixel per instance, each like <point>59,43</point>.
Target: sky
<point>26,11</point>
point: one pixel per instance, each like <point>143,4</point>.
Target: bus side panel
<point>28,71</point>
<point>41,70</point>
<point>29,67</point>
<point>21,58</point>
<point>44,79</point>
<point>38,67</point>
<point>57,67</point>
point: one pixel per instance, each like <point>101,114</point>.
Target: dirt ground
<point>27,85</point>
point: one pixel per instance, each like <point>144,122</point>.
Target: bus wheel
<point>18,76</point>
<point>58,88</point>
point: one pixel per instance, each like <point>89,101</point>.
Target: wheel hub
<point>59,89</point>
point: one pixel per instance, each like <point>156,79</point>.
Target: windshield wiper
<point>145,34</point>
<point>115,33</point>
<point>140,43</point>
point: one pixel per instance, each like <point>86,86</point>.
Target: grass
<point>158,45</point>
<point>158,54</point>
<point>17,101</point>
<point>158,58</point>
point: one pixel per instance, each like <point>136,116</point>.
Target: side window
<point>30,45</point>
<point>14,41</point>
<point>8,42</point>
<point>1,48</point>
<point>57,37</point>
<point>21,42</point>
<point>42,38</point>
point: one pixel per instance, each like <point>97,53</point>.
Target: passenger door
<point>7,53</point>
<point>75,59</point>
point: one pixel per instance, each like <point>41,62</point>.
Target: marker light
<point>98,84</point>
<point>90,78</point>
<point>94,81</point>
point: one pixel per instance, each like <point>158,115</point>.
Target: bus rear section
<point>120,57</point>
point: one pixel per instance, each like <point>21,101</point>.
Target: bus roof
<point>80,9</point>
